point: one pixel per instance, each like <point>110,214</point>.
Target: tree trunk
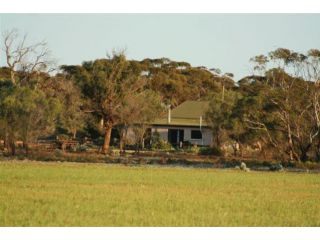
<point>236,148</point>
<point>107,136</point>
<point>12,75</point>
<point>26,147</point>
<point>6,140</point>
<point>222,93</point>
<point>12,147</point>
<point>304,152</point>
<point>292,153</point>
<point>121,144</point>
<point>217,138</point>
<point>142,143</point>
<point>74,134</point>
<point>11,143</point>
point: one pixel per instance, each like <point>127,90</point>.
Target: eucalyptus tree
<point>219,115</point>
<point>148,106</point>
<point>72,116</point>
<point>288,107</point>
<point>27,111</point>
<point>107,86</point>
<point>25,58</point>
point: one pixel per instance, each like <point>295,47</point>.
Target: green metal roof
<point>186,114</point>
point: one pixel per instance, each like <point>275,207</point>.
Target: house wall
<point>163,132</point>
<point>206,134</point>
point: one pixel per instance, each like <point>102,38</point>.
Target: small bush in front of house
<point>210,151</point>
<point>161,144</point>
<point>195,149</point>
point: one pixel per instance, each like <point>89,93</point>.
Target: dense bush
<point>210,151</point>
<point>194,149</point>
<point>63,137</point>
<point>161,145</point>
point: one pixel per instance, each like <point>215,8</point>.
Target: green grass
<point>74,194</point>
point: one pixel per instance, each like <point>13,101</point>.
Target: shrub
<point>195,149</point>
<point>99,141</point>
<point>58,153</point>
<point>82,148</point>
<point>186,144</point>
<point>211,151</point>
<point>114,152</point>
<point>63,137</point>
<point>160,144</point>
<point>276,167</point>
<point>74,148</point>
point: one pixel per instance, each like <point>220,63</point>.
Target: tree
<point>137,114</point>
<point>179,81</point>
<point>282,105</point>
<point>72,117</point>
<point>253,117</point>
<point>26,110</point>
<point>6,89</point>
<point>219,115</point>
<point>23,58</point>
<point>107,84</point>
<point>27,113</point>
<point>260,64</point>
<point>150,107</point>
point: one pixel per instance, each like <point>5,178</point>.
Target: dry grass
<point>75,194</point>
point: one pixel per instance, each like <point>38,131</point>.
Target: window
<point>196,134</point>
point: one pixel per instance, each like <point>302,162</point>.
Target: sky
<point>224,41</point>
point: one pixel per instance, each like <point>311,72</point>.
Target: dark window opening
<point>175,136</point>
<point>196,134</point>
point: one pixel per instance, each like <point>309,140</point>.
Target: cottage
<point>185,123</point>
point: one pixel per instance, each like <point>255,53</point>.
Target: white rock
<point>243,166</point>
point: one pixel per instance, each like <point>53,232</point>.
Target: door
<point>175,136</point>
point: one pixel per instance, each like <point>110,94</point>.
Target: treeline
<point>93,98</point>
<point>275,110</point>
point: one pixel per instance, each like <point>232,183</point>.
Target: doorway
<point>175,136</point>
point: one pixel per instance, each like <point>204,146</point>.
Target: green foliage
<point>27,113</point>
<point>63,137</point>
<point>82,148</point>
<point>71,118</point>
<point>195,149</point>
<point>276,109</point>
<point>113,88</point>
<point>159,144</point>
<point>210,151</point>
<point>219,115</point>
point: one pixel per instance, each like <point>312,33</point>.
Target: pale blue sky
<point>225,41</point>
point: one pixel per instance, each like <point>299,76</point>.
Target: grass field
<point>71,194</point>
